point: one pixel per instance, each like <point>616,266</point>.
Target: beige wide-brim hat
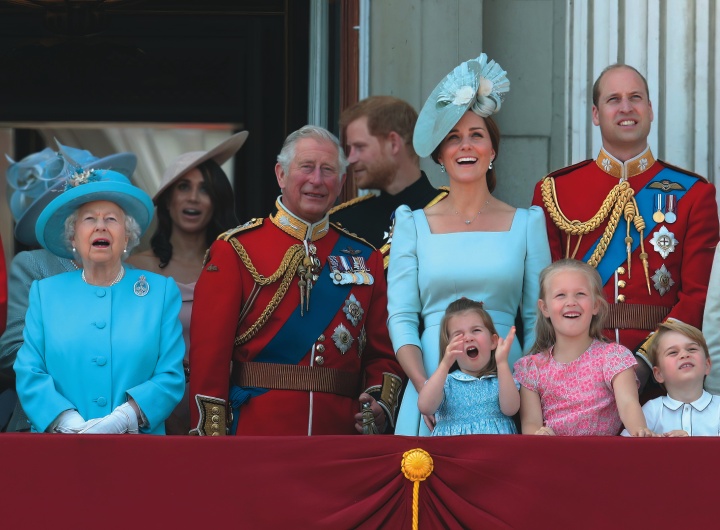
<point>187,161</point>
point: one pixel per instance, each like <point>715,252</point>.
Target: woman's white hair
<point>132,230</point>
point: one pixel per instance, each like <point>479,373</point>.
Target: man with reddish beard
<point>378,133</point>
<point>288,326</point>
<point>648,227</point>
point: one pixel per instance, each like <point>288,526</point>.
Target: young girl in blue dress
<point>473,390</point>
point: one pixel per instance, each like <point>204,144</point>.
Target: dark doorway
<point>240,62</point>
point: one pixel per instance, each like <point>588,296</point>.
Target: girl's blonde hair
<point>544,331</point>
<point>465,305</point>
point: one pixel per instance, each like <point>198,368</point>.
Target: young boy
<point>681,361</point>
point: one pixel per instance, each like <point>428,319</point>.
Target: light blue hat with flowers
<point>36,179</point>
<point>478,85</point>
<point>83,185</point>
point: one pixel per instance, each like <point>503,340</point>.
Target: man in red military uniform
<point>289,317</point>
<point>649,228</point>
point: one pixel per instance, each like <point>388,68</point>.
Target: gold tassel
<point>417,465</point>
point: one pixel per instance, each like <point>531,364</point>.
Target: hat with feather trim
<point>83,184</point>
<point>478,85</point>
<point>37,179</point>
<point>190,160</point>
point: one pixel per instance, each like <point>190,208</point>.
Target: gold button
<point>215,419</point>
<point>621,298</point>
<point>320,348</point>
<point>321,338</point>
<point>215,410</point>
<point>215,427</point>
<point>215,434</point>
<point>621,284</point>
<point>319,359</point>
<point>621,270</point>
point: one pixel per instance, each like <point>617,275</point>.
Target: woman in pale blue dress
<point>469,244</point>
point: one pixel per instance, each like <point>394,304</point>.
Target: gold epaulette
<point>252,223</point>
<point>444,191</point>
<point>568,169</point>
<point>385,249</point>
<point>683,170</point>
<point>351,202</point>
<point>352,235</point>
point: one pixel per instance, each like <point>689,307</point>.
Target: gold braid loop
<point>288,266</point>
<point>612,208</point>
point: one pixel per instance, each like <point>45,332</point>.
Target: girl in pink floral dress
<point>576,383</point>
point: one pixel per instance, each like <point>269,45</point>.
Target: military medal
<point>141,287</point>
<point>670,207</point>
<point>353,271</point>
<point>658,216</point>
<point>663,280</point>
<point>342,338</point>
<point>664,242</point>
<point>353,310</point>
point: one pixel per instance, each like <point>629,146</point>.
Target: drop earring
<point>442,168</point>
<point>490,166</point>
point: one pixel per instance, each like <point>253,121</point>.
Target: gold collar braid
<point>620,202</point>
<point>298,228</point>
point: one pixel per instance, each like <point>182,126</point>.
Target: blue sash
<point>299,333</point>
<point>616,252</point>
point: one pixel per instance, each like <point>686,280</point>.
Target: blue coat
<point>89,348</point>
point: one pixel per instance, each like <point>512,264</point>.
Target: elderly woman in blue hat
<point>35,181</point>
<point>103,346</point>
<point>470,244</point>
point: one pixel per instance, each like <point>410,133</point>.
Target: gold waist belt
<point>635,316</point>
<point>293,377</point>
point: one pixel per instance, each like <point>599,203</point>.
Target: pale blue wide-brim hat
<point>38,178</point>
<point>478,85</point>
<point>88,186</point>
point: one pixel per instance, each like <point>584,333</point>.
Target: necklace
<point>117,278</point>
<point>468,221</point>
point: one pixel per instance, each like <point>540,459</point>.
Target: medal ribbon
<point>616,253</point>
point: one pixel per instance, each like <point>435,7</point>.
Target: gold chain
<point>613,207</point>
<point>288,266</point>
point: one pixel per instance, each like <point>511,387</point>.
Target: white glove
<point>68,422</point>
<point>120,421</point>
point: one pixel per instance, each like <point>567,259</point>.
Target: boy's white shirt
<point>699,418</point>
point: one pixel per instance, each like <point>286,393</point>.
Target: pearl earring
<point>74,250</point>
<point>490,166</point>
<point>442,168</point>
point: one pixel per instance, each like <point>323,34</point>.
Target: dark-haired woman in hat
<point>195,203</point>
<point>103,346</point>
<point>470,243</point>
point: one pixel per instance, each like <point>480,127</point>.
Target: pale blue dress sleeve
<point>536,259</point>
<point>404,305</point>
<point>158,396</point>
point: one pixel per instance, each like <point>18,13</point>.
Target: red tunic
<point>581,190</point>
<point>221,292</point>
